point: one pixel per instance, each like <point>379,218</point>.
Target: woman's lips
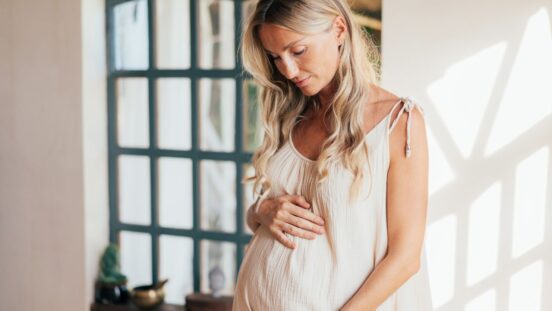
<point>303,82</point>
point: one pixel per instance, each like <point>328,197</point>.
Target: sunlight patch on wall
<point>440,171</point>
<point>461,96</point>
<point>485,301</point>
<point>441,251</point>
<point>530,201</point>
<point>526,288</point>
<point>483,235</point>
<point>529,83</point>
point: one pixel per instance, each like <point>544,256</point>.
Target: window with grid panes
<point>183,123</point>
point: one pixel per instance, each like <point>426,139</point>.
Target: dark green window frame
<point>195,154</point>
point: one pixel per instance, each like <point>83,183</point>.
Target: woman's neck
<point>325,96</point>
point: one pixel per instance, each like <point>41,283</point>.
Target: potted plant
<point>110,286</point>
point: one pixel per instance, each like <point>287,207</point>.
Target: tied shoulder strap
<point>408,105</point>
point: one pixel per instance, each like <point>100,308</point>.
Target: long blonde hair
<point>282,102</point>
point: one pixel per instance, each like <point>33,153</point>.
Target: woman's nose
<point>289,69</point>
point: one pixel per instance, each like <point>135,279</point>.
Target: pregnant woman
<point>341,174</point>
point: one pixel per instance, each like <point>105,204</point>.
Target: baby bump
<point>273,271</point>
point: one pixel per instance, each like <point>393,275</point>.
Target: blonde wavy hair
<point>282,102</point>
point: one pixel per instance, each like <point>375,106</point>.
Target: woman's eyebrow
<point>289,44</point>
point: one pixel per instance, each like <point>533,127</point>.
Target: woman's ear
<point>340,29</point>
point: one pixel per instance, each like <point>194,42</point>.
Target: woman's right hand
<point>289,213</point>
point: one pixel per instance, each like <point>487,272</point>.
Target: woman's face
<point>309,61</point>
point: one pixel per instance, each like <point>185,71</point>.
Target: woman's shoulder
<point>379,105</point>
<point>404,119</point>
<point>406,124</point>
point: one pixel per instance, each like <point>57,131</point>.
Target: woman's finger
<point>306,224</point>
<point>282,238</point>
<point>306,214</point>
<point>296,231</point>
<point>298,200</point>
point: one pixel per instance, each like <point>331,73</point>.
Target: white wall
<point>51,75</point>
<point>94,135</point>
<point>482,71</point>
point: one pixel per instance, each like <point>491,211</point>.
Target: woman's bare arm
<point>406,217</point>
<point>251,220</point>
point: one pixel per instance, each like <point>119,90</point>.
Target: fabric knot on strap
<point>408,105</point>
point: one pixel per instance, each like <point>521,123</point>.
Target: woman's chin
<point>307,91</point>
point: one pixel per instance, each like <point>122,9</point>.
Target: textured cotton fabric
<point>274,277</point>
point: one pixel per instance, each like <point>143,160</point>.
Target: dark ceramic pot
<point>111,293</point>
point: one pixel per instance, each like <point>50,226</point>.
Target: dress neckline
<point>303,157</point>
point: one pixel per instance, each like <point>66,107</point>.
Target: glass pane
<point>175,193</point>
<point>248,197</point>
<point>174,113</point>
<point>131,35</point>
<point>134,189</point>
<point>216,34</point>
<point>218,195</point>
<point>136,257</point>
<point>173,33</point>
<point>176,264</point>
<point>132,112</point>
<point>252,125</point>
<point>218,256</point>
<point>217,107</point>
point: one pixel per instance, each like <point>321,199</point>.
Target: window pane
<point>174,113</point>
<point>252,125</point>
<point>132,112</point>
<point>218,195</point>
<point>134,189</point>
<point>217,107</point>
<point>222,255</point>
<point>131,35</point>
<point>173,33</point>
<point>216,34</point>
<point>136,257</point>
<point>175,193</point>
<point>248,197</point>
<point>176,264</point>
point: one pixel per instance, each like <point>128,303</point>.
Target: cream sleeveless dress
<point>273,277</point>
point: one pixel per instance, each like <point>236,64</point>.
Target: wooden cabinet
<point>194,302</point>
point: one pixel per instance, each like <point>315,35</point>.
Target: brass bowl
<point>147,297</point>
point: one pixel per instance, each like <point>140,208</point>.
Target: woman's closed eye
<point>298,53</point>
